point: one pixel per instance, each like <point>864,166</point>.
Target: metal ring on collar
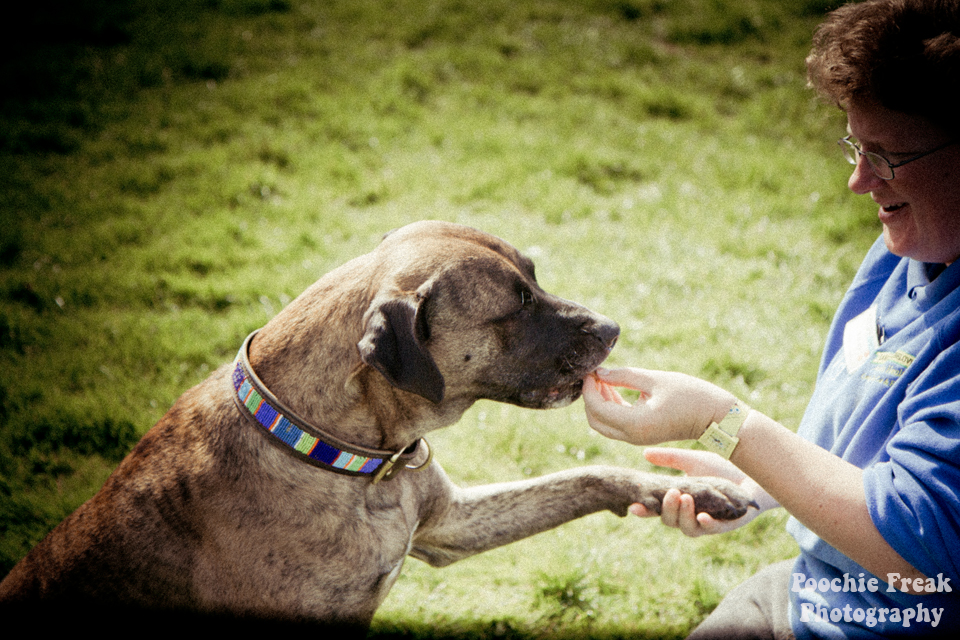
<point>423,465</point>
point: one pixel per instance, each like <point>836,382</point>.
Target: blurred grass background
<point>173,172</point>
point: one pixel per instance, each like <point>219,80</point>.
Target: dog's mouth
<point>552,397</point>
<point>541,394</point>
<point>548,384</point>
<point>563,389</point>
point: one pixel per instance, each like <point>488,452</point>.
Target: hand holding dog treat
<point>672,406</point>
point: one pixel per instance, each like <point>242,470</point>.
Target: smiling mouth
<point>888,212</point>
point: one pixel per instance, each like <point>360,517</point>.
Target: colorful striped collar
<point>308,442</point>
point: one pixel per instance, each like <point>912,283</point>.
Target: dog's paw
<point>721,499</point>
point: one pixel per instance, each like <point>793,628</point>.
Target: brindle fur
<point>205,515</point>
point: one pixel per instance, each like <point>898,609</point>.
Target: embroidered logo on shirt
<point>886,367</point>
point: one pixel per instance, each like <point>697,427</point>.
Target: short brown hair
<point>903,53</point>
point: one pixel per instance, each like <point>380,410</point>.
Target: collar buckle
<point>389,468</point>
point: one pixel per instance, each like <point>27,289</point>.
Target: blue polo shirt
<point>887,400</point>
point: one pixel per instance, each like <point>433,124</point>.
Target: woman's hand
<point>671,406</point>
<point>677,509</point>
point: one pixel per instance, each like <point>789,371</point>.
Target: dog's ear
<point>392,343</point>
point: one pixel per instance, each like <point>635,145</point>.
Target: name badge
<point>860,338</point>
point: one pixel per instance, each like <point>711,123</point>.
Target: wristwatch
<point>722,438</point>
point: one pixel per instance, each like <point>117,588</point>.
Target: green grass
<point>173,173</point>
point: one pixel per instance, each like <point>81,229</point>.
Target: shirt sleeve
<point>914,497</point>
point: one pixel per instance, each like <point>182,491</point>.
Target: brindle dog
<point>218,511</point>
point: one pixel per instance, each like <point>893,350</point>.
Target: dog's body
<point>207,515</point>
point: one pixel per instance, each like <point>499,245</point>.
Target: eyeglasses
<point>882,167</point>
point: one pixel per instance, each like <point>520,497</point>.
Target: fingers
<point>610,394</point>
<point>597,393</point>
<point>688,520</point>
<point>709,526</point>
<point>678,510</point>
<point>629,377</point>
<point>694,462</point>
<point>671,506</point>
<point>612,419</point>
<point>667,457</point>
<point>641,511</point>
<point>690,461</point>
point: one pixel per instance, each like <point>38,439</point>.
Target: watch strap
<point>722,437</point>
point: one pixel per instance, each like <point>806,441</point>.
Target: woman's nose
<point>863,179</point>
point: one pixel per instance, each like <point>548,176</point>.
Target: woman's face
<point>920,206</point>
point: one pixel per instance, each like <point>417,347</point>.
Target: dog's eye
<point>526,298</point>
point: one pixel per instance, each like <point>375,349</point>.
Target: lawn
<point>173,173</point>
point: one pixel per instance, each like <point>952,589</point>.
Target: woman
<point>871,479</point>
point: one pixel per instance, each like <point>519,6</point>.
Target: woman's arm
<point>822,491</point>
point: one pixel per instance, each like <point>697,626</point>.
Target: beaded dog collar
<point>307,442</point>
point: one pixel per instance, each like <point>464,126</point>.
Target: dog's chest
<point>331,559</point>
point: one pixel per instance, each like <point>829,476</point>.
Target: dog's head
<point>461,316</point>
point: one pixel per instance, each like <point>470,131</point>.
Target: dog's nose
<point>607,331</point>
<point>610,335</point>
<point>611,343</point>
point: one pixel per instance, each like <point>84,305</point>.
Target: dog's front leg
<point>469,521</point>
